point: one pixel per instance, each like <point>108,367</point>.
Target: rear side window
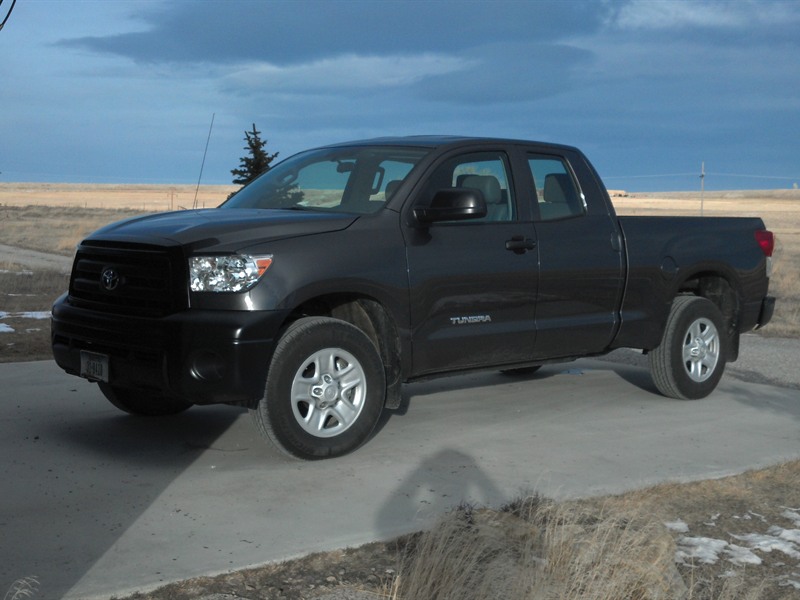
<point>557,196</point>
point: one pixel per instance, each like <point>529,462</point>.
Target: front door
<point>472,283</point>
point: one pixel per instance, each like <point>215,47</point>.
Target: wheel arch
<point>720,287</point>
<point>374,319</point>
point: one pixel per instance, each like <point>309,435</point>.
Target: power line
<point>752,176</point>
<point>708,174</point>
<point>3,24</point>
<point>650,176</point>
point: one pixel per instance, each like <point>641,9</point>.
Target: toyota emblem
<point>109,279</point>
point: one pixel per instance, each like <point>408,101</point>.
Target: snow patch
<point>39,314</point>
<point>6,328</point>
<point>33,314</point>
<point>793,515</point>
<point>16,272</point>
<point>677,526</point>
<point>739,555</point>
<point>699,549</point>
<point>791,582</point>
<point>773,540</point>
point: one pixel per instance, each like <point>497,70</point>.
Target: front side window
<point>355,180</point>
<point>556,193</point>
<point>484,171</point>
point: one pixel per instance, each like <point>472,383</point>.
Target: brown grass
<point>539,549</point>
<point>609,548</point>
<point>603,549</point>
<point>143,198</point>
<point>25,291</point>
<point>54,229</point>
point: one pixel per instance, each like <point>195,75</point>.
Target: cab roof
<point>437,141</point>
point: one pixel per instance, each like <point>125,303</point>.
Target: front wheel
<point>143,403</point>
<point>690,361</point>
<point>325,389</point>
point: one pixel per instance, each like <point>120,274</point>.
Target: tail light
<point>766,239</point>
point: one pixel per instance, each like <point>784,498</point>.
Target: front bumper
<point>203,356</point>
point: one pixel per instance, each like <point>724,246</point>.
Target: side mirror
<point>453,204</point>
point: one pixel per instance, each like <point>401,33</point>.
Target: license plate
<point>94,366</point>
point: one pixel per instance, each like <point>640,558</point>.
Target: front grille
<point>130,279</point>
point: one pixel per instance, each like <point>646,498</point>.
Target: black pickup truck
<point>316,291</point>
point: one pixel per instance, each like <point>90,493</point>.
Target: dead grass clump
<point>785,286</point>
<point>538,549</point>
<point>26,297</point>
<point>22,588</point>
<point>26,290</point>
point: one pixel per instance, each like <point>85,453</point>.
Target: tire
<point>324,392</point>
<point>690,361</point>
<point>143,403</point>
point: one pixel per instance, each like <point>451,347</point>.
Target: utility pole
<point>702,185</point>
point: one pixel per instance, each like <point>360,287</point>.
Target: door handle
<point>519,244</point>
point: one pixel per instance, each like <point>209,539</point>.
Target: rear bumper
<point>766,312</point>
<point>203,356</point>
<point>756,314</point>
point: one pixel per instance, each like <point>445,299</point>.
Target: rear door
<point>581,273</point>
<point>472,283</point>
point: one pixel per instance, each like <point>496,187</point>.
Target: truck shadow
<point>82,480</point>
<point>637,376</point>
<point>441,481</point>
<point>147,441</point>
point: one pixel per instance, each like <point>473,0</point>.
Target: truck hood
<point>221,230</point>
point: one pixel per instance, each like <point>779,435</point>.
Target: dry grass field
<point>732,539</point>
<point>143,198</point>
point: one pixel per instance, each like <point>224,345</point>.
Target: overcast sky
<point>111,91</point>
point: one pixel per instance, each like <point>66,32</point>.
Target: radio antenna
<point>203,164</point>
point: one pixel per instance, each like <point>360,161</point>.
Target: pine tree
<point>257,162</point>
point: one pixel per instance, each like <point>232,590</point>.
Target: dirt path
<point>31,259</point>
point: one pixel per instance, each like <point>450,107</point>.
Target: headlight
<point>236,273</point>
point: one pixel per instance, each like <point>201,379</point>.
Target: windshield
<point>355,180</point>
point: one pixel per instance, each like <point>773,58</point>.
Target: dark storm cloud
<point>509,72</point>
<point>288,32</point>
<point>644,86</point>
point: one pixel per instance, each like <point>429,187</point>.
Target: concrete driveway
<point>96,503</point>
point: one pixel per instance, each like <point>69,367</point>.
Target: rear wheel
<point>143,403</point>
<point>691,358</point>
<point>325,389</point>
